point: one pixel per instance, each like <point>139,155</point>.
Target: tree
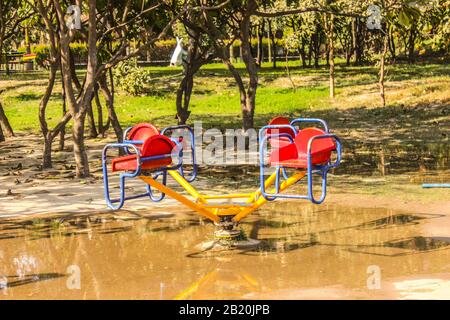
<point>234,23</point>
<point>54,62</point>
<point>78,97</point>
<point>329,27</point>
<point>12,14</point>
<point>200,51</point>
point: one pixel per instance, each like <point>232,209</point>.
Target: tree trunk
<point>108,94</point>
<point>49,135</point>
<point>303,53</point>
<point>316,46</point>
<point>248,109</point>
<point>47,154</point>
<point>382,70</point>
<point>358,41</point>
<point>92,130</point>
<point>78,104</point>
<point>98,104</point>
<point>260,56</point>
<point>5,126</point>
<point>248,112</point>
<point>247,105</point>
<point>310,51</point>
<point>183,97</point>
<point>411,45</point>
<point>2,136</point>
<point>79,149</point>
<point>62,134</point>
<point>273,45</point>
<point>331,55</point>
<point>4,122</point>
<point>392,48</point>
<point>269,45</point>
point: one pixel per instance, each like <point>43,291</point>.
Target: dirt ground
<point>26,189</point>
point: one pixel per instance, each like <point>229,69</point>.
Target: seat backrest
<point>280,141</point>
<point>142,132</point>
<point>280,121</point>
<point>325,145</point>
<point>157,145</point>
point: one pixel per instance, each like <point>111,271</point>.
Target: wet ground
<point>306,252</point>
<point>362,251</point>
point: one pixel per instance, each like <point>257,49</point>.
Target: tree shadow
<point>77,224</point>
<point>17,281</point>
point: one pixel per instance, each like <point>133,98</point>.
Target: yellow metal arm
<point>212,210</point>
<point>171,193</point>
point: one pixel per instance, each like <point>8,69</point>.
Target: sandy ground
<point>26,189</point>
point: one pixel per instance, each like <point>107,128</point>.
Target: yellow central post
<point>175,195</point>
<point>214,211</point>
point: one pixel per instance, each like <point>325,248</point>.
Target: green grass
<point>215,93</point>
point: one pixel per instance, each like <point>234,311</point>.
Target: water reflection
<point>154,255</point>
<point>396,158</point>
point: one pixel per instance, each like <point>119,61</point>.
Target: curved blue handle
<point>311,120</point>
<point>323,169</point>
<point>122,176</point>
<point>193,175</point>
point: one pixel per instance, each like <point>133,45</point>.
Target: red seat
<point>153,146</point>
<point>142,132</point>
<point>294,155</point>
<point>280,141</point>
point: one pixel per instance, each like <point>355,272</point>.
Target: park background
<point>380,81</point>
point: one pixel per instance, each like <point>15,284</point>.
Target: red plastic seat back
<point>281,141</point>
<point>142,132</point>
<point>153,146</point>
<point>157,145</point>
<point>320,148</point>
<point>295,155</point>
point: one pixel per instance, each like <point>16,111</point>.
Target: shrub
<point>42,51</point>
<point>130,78</point>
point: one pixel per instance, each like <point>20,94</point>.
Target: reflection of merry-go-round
<point>151,155</point>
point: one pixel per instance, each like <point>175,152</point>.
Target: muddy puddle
<point>306,252</point>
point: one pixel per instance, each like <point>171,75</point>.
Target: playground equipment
<point>151,155</point>
<point>17,61</point>
<point>436,185</point>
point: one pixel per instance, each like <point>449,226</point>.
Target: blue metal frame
<point>311,120</point>
<point>123,175</point>
<point>134,142</point>
<point>263,138</point>
<point>193,175</point>
<point>311,169</point>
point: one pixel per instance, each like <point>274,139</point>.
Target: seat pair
<point>148,151</point>
<point>154,149</point>
<point>308,149</point>
<point>291,145</point>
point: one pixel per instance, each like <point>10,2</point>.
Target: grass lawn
<point>215,93</point>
